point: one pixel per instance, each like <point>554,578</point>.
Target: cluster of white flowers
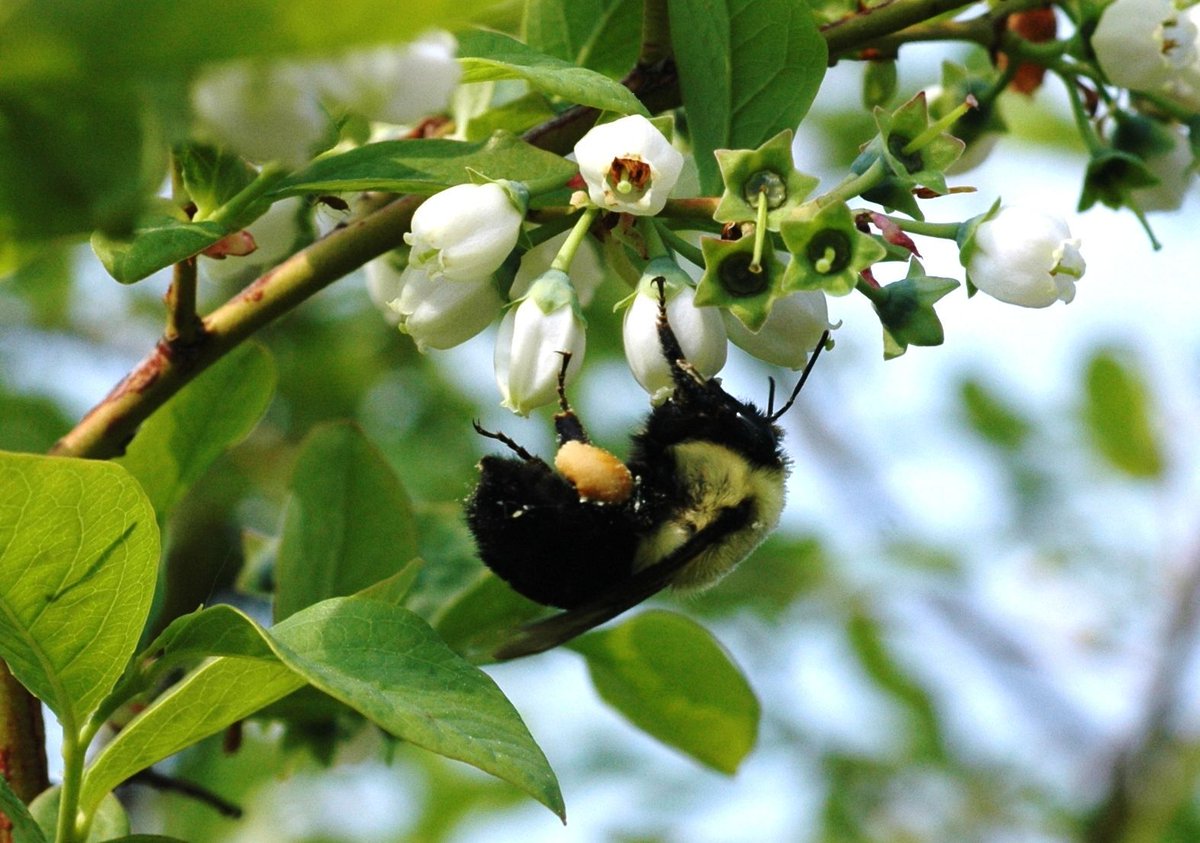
<point>283,111</point>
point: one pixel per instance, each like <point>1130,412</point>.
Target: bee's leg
<point>502,438</point>
<point>566,423</point>
<point>682,372</point>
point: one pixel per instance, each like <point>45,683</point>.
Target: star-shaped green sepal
<point>914,151</point>
<point>769,171</point>
<point>828,251</point>
<point>1111,176</point>
<point>729,281</point>
<point>905,310</point>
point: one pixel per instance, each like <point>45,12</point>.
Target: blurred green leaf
<point>671,678</point>
<point>487,56</point>
<point>990,416</point>
<point>387,663</point>
<point>23,827</point>
<point>179,442</point>
<point>1119,415</point>
<point>748,69</point>
<point>782,569</point>
<point>453,567</point>
<point>428,165</point>
<point>515,116</point>
<point>211,176</point>
<point>348,523</point>
<point>78,560</point>
<point>601,34</point>
<point>29,423</point>
<point>868,643</point>
<point>109,823</point>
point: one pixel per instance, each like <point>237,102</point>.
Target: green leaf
<point>386,663</point>
<point>671,678</point>
<point>601,34</point>
<point>211,176</point>
<point>109,822</point>
<point>179,442</point>
<point>1119,415</point>
<point>160,240</point>
<point>348,523</point>
<point>428,165</point>
<point>24,827</point>
<point>748,69</point>
<point>992,417</point>
<point>78,560</point>
<point>481,617</point>
<point>218,693</point>
<point>486,56</point>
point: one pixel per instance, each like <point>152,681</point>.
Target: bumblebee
<point>595,536</point>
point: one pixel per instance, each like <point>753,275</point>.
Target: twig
<point>184,325</point>
<point>152,778</point>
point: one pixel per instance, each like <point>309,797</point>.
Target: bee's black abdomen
<point>534,532</point>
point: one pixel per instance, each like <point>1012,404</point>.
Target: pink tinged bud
<point>700,332</point>
<point>1025,257</point>
<point>530,342</point>
<point>238,244</point>
<point>439,313</point>
<point>273,236</point>
<point>628,166</point>
<point>791,332</point>
<point>464,232</point>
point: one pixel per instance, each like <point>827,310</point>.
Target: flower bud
<point>1144,44</point>
<point>274,236</point>
<point>532,337</point>
<point>264,112</point>
<point>441,313</point>
<point>1023,256</point>
<point>465,232</point>
<point>385,281</point>
<point>700,331</point>
<point>628,165</point>
<point>792,330</point>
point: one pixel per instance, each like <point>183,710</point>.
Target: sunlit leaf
<point>78,559</point>
<point>601,34</point>
<point>671,678</point>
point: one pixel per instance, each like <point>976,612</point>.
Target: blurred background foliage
<point>1024,677</point>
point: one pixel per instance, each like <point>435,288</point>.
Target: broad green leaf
<point>179,442</point>
<point>204,702</point>
<point>890,676</point>
<point>78,559</point>
<point>109,823</point>
<point>386,663</point>
<point>428,165</point>
<point>601,34</point>
<point>480,617</point>
<point>24,827</point>
<point>514,116</point>
<point>748,69</point>
<point>671,678</point>
<point>486,56</point>
<point>348,523</point>
<point>160,240</point>
<point>1119,415</point>
<point>147,838</point>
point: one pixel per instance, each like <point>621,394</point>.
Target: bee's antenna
<point>566,423</point>
<point>770,397</point>
<point>562,382</point>
<point>505,440</point>
<point>682,372</point>
<point>800,384</point>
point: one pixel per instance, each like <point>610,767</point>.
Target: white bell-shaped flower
<point>440,313</point>
<point>791,332</point>
<point>395,83</point>
<point>465,232</point>
<point>1144,45</point>
<point>533,336</point>
<point>628,165</point>
<point>1024,256</point>
<point>700,331</point>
